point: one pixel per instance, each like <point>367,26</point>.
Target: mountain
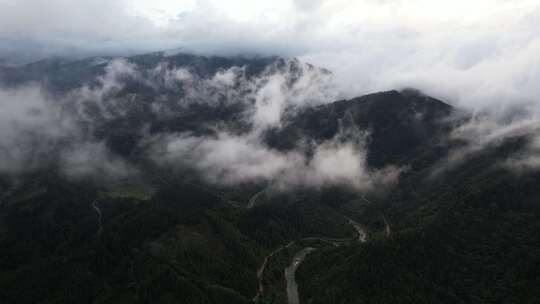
<point>442,232</point>
<point>470,237</point>
<point>61,74</point>
<point>418,118</point>
<point>467,235</point>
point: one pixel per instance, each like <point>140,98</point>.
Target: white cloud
<point>36,132</point>
<point>472,53</point>
<point>491,129</point>
<point>225,159</point>
<point>231,159</point>
<point>29,129</point>
<point>477,54</point>
<point>93,159</point>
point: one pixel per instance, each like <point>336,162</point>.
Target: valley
<point>184,178</point>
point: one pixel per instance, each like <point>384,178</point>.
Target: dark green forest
<point>444,232</point>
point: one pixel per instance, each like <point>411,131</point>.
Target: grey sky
<point>473,53</point>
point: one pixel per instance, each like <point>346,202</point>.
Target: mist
<point>469,54</point>
<point>66,131</point>
<point>479,56</point>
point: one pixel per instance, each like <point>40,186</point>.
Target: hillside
<point>172,184</point>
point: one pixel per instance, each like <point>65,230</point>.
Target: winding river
<point>290,272</point>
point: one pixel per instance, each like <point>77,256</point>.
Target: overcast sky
<point>472,52</point>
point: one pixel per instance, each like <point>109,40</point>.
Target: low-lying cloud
<point>93,159</point>
<point>38,130</point>
<point>490,129</point>
<point>29,129</point>
<point>65,131</point>
<point>227,160</point>
<point>36,133</point>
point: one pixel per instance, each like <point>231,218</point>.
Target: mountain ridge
<point>169,233</point>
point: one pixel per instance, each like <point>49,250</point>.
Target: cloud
<point>337,163</point>
<point>117,71</point>
<point>227,159</point>
<point>62,132</point>
<point>524,163</point>
<point>297,84</point>
<point>93,159</point>
<point>37,133</point>
<point>285,85</point>
<point>38,28</point>
<point>472,54</point>
<point>30,129</point>
<point>281,89</point>
<point>223,159</point>
<point>488,129</point>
